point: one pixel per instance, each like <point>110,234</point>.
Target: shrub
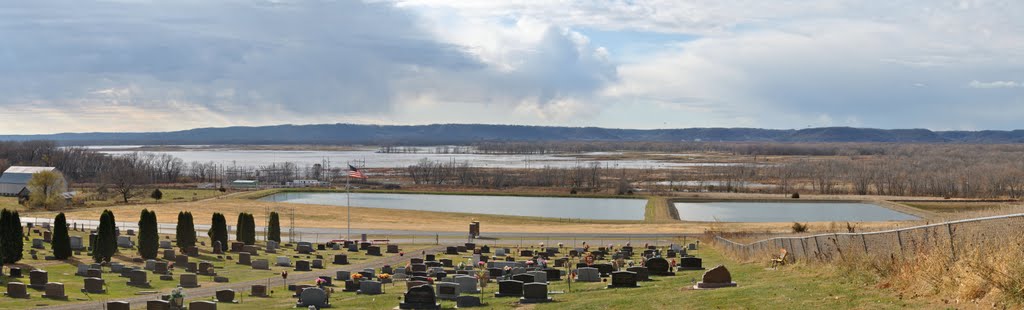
<point>799,228</point>
<point>156,194</point>
<point>274,231</point>
<point>185,232</point>
<point>61,244</point>
<point>106,242</point>
<point>149,238</point>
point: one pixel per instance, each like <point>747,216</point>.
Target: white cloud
<point>995,84</point>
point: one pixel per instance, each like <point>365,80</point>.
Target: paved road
<point>242,288</point>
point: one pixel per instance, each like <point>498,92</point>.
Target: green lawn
<point>792,287</point>
<point>170,195</point>
<point>64,272</point>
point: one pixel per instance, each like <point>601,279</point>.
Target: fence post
<point>899,238</point>
<point>835,240</point>
<point>952,250</point>
<point>817,246</point>
<point>803,244</point>
<point>864,240</point>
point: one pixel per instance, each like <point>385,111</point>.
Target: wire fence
<point>951,238</point>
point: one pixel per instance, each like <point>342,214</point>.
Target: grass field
<point>64,272</point>
<point>170,195</point>
<point>791,287</point>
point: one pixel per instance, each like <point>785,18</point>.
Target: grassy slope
<point>787,288</point>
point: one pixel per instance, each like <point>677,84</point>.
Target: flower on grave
<point>529,263</point>
<point>673,262</point>
<point>481,264</point>
<point>401,253</point>
<point>356,277</point>
<point>383,276</point>
<point>430,280</point>
<point>462,265</point>
<point>320,281</point>
<point>508,268</point>
<point>177,292</point>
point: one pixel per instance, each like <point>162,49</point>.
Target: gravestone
<point>188,280</point>
<point>386,269</point>
<point>38,244</point>
<point>258,291</point>
<point>94,273</point>
<point>202,305</point>
<point>518,270</point>
<point>692,247</point>
<point>304,249</point>
<point>467,284</point>
<point>160,268</point>
<point>284,261</point>
<point>659,267</point>
<point>392,248</point>
<point>327,280</point>
<point>509,288</point>
<point>164,244</point>
<point>353,247</point>
<point>522,277</point>
<point>251,249</point>
<point>125,242</point>
<point>181,260</point>
<point>17,290</point>
<point>447,290</point>
<point>485,249</point>
<point>553,274</point>
<point>220,279</point>
<point>369,288</point>
<point>94,286</point>
<point>418,268</point>
<point>116,267</point>
<point>137,278</point>
<point>302,265</point>
<point>605,269</point>
<point>342,275</point>
<point>82,269</point>
<point>126,271</point>
<point>54,290</point>
<point>526,253</point>
<point>413,283</point>
<point>235,246</point>
<point>150,264</point>
<point>318,264</point>
<point>226,296</point>
<point>76,243</point>
<point>420,297</point>
<point>715,278</point>
<point>193,251</point>
<point>691,263</point>
<point>244,258</point>
<point>495,273</point>
<point>451,250</point>
<point>206,268</point>
<point>588,274</point>
<point>158,305</point>
<point>47,236</point>
<point>535,293</point>
<point>261,264</point>
<point>335,246</point>
<point>468,302</point>
<point>351,286</point>
<point>499,252</point>
<point>15,272</point>
<point>340,259</point>
<point>272,246</point>
<point>642,274</point>
<point>622,279</point>
<point>37,279</point>
<point>446,262</point>
<point>539,276</point>
<point>118,305</point>
<point>170,255</point>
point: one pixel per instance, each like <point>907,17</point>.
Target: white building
<point>15,179</point>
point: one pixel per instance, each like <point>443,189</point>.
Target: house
<point>14,181</point>
<point>245,184</point>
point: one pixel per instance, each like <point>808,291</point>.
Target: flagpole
<point>348,202</point>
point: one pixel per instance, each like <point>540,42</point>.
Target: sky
<point>133,65</point>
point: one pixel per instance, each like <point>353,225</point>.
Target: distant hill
<point>469,133</point>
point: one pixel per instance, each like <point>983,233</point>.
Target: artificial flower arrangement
<point>320,282</point>
<point>383,276</point>
<point>356,277</point>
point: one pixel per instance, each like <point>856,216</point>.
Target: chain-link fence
<point>950,238</point>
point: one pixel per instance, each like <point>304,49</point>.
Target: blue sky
<point>138,65</point>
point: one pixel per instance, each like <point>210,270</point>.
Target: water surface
<point>559,207</point>
<point>787,212</point>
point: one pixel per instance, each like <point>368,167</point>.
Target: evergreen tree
<point>156,195</point>
<point>240,228</point>
<point>106,241</point>
<point>149,237</point>
<point>250,226</point>
<point>61,243</point>
<point>185,233</point>
<point>11,245</point>
<point>219,230</point>
<point>274,231</point>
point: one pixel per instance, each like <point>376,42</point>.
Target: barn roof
<point>21,174</point>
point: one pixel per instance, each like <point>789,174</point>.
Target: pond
<point>787,212</point>
<point>558,207</point>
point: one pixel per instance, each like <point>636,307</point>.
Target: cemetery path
<point>242,288</point>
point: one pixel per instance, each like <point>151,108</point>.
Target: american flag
<point>355,173</point>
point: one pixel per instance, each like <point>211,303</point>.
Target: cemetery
<point>371,274</point>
